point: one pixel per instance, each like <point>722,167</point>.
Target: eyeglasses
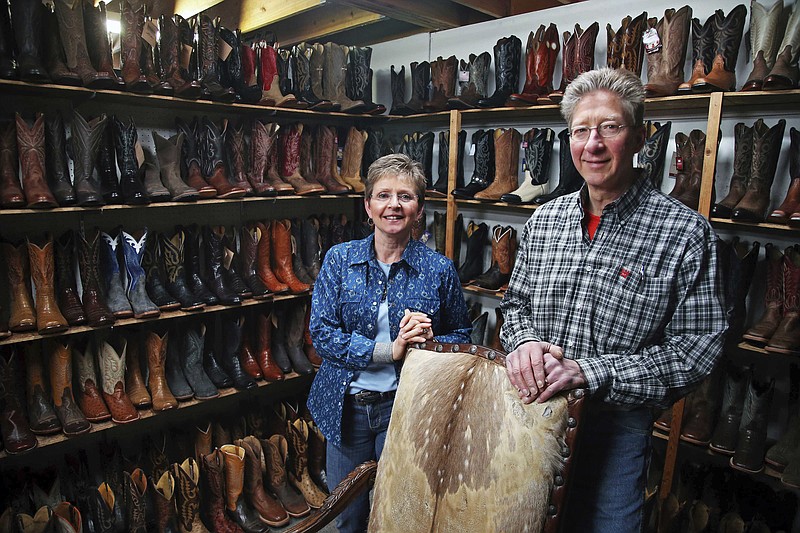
<point>606,130</point>
<point>403,197</point>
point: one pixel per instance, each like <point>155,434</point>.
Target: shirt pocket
<point>352,308</point>
<point>429,306</point>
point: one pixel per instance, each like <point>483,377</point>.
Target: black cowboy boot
<point>174,267</point>
<point>440,187</point>
<point>26,20</point>
<point>570,179</point>
<point>85,143</point>
<point>215,280</point>
<point>207,39</point>
<point>229,358</point>
<point>154,276</point>
<point>483,175</point>
<point>194,276</point>
<point>538,143</point>
<point>8,67</point>
<point>130,181</point>
<point>107,167</point>
<point>56,160</point>
<point>420,80</point>
<point>473,262</point>
<point>654,152</point>
<point>507,56</point>
<point>359,79</point>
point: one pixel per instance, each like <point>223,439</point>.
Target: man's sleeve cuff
<point>597,372</point>
<point>382,352</point>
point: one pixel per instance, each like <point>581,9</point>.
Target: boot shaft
<point>766,150</point>
<point>507,57</point>
<point>85,140</point>
<point>237,153</point>
<point>538,149</point>
<point>483,141</point>
<point>541,53</point>
<point>703,44</point>
<point>791,280</point>
<point>728,34</point>
<point>211,146</point>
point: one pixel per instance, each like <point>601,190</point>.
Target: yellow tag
<point>223,49</point>
<point>186,56</point>
<point>149,32</point>
<point>139,154</point>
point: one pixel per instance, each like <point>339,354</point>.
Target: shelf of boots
<point>766,227</point>
<point>79,94</point>
<point>165,315</point>
<point>213,201</point>
<point>495,205</point>
<point>144,414</point>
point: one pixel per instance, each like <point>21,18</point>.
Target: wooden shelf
<point>778,99</point>
<point>495,205</point>
<point>767,227</point>
<point>484,292</point>
<point>32,336</point>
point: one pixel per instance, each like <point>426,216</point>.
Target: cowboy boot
<point>783,452</point>
<point>67,518</point>
<point>473,263</point>
<point>261,142</point>
<point>211,365</point>
<point>766,149</point>
<point>106,165</point>
<point>665,65</point>
<point>67,293</point>
<point>299,475</point>
<point>507,53</point>
<point>133,274</point>
<point>316,456</point>
<point>268,509</point>
<point>42,416</point>
<point>683,151</point>
<point>271,94</point>
<point>109,264</point>
<point>325,148</point>
<point>504,245</point>
<point>316,57</point>
<point>112,372</point>
<point>85,143</point>
<point>169,53</point>
<point>423,154</point>
<point>398,84</point>
<point>211,140</point>
<point>761,332</point>
<point>473,78</point>
<point>231,69</point>
<point>95,22</point>
<point>727,38</point>
<point>290,168</point>
<point>784,73</point>
<point>302,54</point>
<point>703,50</point>
<point>307,164</point>
<point>132,24</point>
<point>247,356</point>
<point>207,57</point>
<point>443,76</point>
<point>14,428</point>
<point>73,37</point>
<point>751,443</point>
<point>614,47</point>
<point>506,148</point>
<point>163,497</point>
<point>295,324</point>
<point>273,177</point>
<point>30,144</point>
<point>359,79</point>
<point>482,176</point>
<point>351,159</point>
<point>374,148</point>
<point>582,49</point>
<point>38,523</point>
<point>653,154</point>
<point>125,142</point>
<point>693,176</point>
<point>8,67</point>
<point>191,358</point>
<point>190,158</point>
<point>540,64</point>
<point>175,282</point>
<point>701,411</point>
<point>156,349</point>
<point>790,207</point>
<point>420,81</point>
<point>334,79</point>
<point>261,233</point>
<point>440,231</point>
<point>570,179</point>
<point>764,40</point>
<point>194,277</point>
<point>235,505</point>
<point>733,393</point>
<point>26,19</point>
<point>11,195</point>
<point>212,467</point>
<point>89,398</point>
<point>310,249</point>
<point>58,178</point>
<point>631,47</point>
<point>176,380</point>
<point>786,338</point>
<point>567,64</point>
<point>42,264</point>
<point>134,381</point>
<point>168,153</point>
<point>153,187</point>
<point>187,496</point>
<point>235,156</point>
<point>229,359</point>
<point>231,264</point>
<point>742,164</point>
<point>537,144</point>
<point>22,311</point>
<point>135,494</point>
<point>215,279</point>
<point>268,366</point>
<point>247,242</point>
<point>276,452</point>
<point>281,256</point>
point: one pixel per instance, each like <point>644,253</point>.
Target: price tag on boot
<point>186,56</point>
<point>227,259</point>
<point>150,32</point>
<point>223,49</point>
<point>673,164</point>
<point>472,149</point>
<point>139,154</point>
<point>651,40</point>
<point>463,76</point>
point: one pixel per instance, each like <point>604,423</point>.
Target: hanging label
<point>472,150</point>
<point>139,154</point>
<point>228,259</point>
<point>463,76</point>
<point>651,40</point>
<point>524,144</point>
<point>150,33</point>
<point>223,49</point>
<point>673,164</point>
<point>186,56</point>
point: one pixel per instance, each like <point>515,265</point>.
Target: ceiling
<point>352,22</point>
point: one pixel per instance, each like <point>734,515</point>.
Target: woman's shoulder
<point>428,258</point>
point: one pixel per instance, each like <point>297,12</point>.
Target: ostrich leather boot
<point>212,159</point>
<point>22,312</point>
<point>761,332</point>
<point>11,195</point>
<point>784,73</point>
<point>112,373</point>
<point>236,157</point>
<point>85,143</point>
<point>155,347</point>
<point>766,148</point>
<point>786,339</point>
<point>66,291</point>
<point>727,38</point>
<point>703,49</point>
<point>134,381</point>
<point>290,138</point>
<point>73,37</point>
<point>41,415</point>
<point>325,148</point>
<point>537,146</point>
<point>30,145</point>
<point>665,66</point>
<point>351,159</point>
<point>742,164</point>
<point>764,40</point>
<point>58,177</point>
<point>187,496</point>
<point>540,64</point>
<point>506,164</point>
<point>483,174</point>
<point>90,400</point>
<point>42,263</point>
<point>261,142</point>
<point>727,427</point>
<point>190,158</point>
<point>299,476</point>
<point>281,256</point>
<point>261,232</point>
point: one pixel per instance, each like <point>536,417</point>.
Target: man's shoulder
<point>670,213</point>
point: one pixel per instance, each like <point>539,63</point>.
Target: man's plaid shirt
<point>640,306</point>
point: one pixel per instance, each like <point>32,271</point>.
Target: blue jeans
<point>363,435</point>
<point>606,491</point>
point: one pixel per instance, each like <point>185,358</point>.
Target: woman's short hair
<point>397,165</point>
<point>623,83</point>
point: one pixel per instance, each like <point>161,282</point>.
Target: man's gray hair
<point>623,83</point>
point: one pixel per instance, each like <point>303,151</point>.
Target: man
<point>615,290</point>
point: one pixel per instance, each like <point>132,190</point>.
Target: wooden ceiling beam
<point>494,8</point>
<point>432,15</point>
<point>249,15</point>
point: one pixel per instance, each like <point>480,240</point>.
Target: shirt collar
<point>625,205</point>
<point>364,251</point>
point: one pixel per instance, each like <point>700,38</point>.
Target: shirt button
<point>579,306</point>
<point>369,326</point>
<point>570,344</point>
<point>374,304</point>
<point>588,268</point>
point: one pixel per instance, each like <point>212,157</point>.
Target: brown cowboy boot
<point>274,162</point>
<point>207,58</point>
<point>632,45</point>
<point>443,76</point>
<point>30,144</point>
<point>665,66</point>
<point>766,149</point>
<point>742,164</point>
<point>134,382</point>
<point>308,345</point>
<point>132,23</point>
<point>48,317</point>
<point>791,204</point>
<point>73,37</point>
<point>11,195</point>
<point>269,369</point>
<point>540,64</point>
<point>276,453</point>
<point>580,45</point>
<point>690,194</point>
<point>22,312</point>
<point>727,38</point>
<point>163,496</point>
<point>506,178</point>
<point>703,48</point>
<point>55,60</point>
<point>187,496</point>
<point>112,372</point>
<point>271,94</point>
<point>261,232</point>
<point>14,428</point>
<point>168,152</point>
<point>89,398</point>
<point>281,256</point>
<point>42,416</point>
<point>351,159</point>
<point>784,73</point>
<point>762,331</point>
<point>212,466</point>
<point>325,160</point>
<point>156,350</point>
<point>169,55</point>
<point>95,21</point>
<point>97,312</point>
<point>269,510</point>
<point>235,152</point>
<point>212,159</point>
<point>307,164</point>
<point>504,248</point>
<point>261,142</point>
<point>786,339</point>
<point>290,138</point>
<point>237,508</point>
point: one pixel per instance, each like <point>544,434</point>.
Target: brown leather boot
<point>540,64</point>
<point>235,150</point>
<point>504,248</point>
<point>766,149</point>
<point>351,159</point>
<point>269,368</point>
<point>262,233</point>
<point>290,137</point>
<point>578,56</point>
<point>274,161</point>
<point>299,475</point>
<point>443,76</point>
<point>727,38</point>
<point>90,400</point>
<point>281,256</point>
<point>786,339</point>
<point>762,331</point>
<point>764,40</point>
<point>691,151</point>
<point>112,372</point>
<point>135,492</point>
<point>271,94</point>
<point>247,357</point>
<point>22,312</point>
<point>700,411</point>
<point>785,73</point>
<point>187,496</point>
<point>169,54</point>
<point>625,47</point>
<point>325,160</point>
<point>269,510</point>
<point>14,427</point>
<point>202,440</point>
<point>506,177</point>
<point>42,416</point>
<point>168,153</point>
<point>235,505</point>
<point>30,144</point>
<point>742,163</point>
<point>156,350</point>
<point>702,51</point>
<point>316,456</point>
<point>95,22</point>
<point>665,66</point>
<point>248,256</point>
<point>73,37</point>
<point>132,23</point>
<point>191,160</point>
<point>85,142</point>
<point>213,490</point>
<point>276,452</point>
<point>11,195</point>
<point>334,79</point>
<point>212,159</point>
<point>163,496</point>
<point>307,163</point>
<point>261,141</point>
<point>134,382</point>
<point>791,204</point>
<point>48,317</point>
<point>567,64</point>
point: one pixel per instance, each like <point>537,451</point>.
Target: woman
<point>372,298</point>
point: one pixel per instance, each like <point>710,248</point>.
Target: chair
<point>462,452</point>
